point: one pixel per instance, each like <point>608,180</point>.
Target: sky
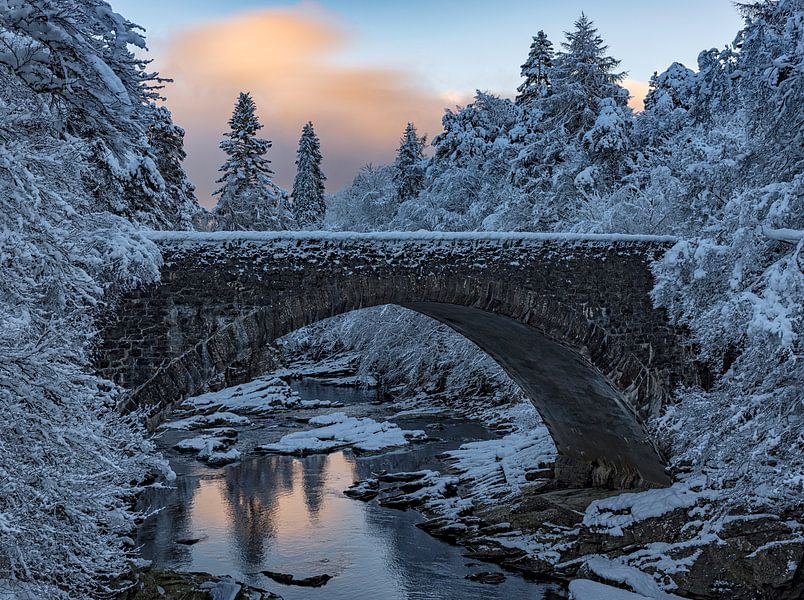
<point>361,69</point>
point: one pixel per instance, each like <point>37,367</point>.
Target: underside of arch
<point>598,437</point>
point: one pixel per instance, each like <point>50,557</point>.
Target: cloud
<point>638,90</point>
<point>287,59</point>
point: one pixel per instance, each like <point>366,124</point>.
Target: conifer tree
<point>409,164</point>
<point>583,75</point>
<point>536,71</point>
<point>166,140</point>
<point>308,186</point>
<point>246,165</point>
<point>250,200</point>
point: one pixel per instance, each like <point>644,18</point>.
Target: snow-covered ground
<point>586,589</point>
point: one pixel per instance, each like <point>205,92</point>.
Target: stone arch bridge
<point>568,317</point>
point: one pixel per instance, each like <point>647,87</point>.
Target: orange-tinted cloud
<point>639,90</point>
<point>287,59</point>
<point>284,57</point>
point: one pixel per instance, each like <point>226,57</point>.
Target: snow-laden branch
<point>791,236</point>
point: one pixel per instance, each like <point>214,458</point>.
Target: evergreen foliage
<point>409,165</point>
<point>249,199</point>
<point>309,206</point>
<point>536,71</point>
<point>246,165</point>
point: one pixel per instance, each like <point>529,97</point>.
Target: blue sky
<point>466,44</point>
<point>360,70</point>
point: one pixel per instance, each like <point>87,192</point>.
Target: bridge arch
<point>569,318</point>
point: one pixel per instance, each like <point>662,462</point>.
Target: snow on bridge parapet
<point>190,237</point>
<point>411,248</point>
<point>569,316</point>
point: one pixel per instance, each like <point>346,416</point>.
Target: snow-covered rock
<point>257,397</point>
<point>611,515</point>
<point>340,431</point>
<point>217,419</point>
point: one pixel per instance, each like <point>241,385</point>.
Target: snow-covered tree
<point>249,199</point>
<point>78,58</point>
<point>409,165</point>
<point>308,186</point>
<point>536,71</point>
<point>582,75</point>
<point>246,165</point>
<point>368,204</point>
<point>467,176</point>
<point>74,155</point>
<point>736,281</point>
<point>578,134</point>
<point>477,133</point>
<point>166,141</point>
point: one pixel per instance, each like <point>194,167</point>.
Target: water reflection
<point>314,475</point>
<point>289,514</point>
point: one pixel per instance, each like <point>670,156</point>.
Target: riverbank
<point>491,493</point>
<point>685,541</point>
<point>281,509</point>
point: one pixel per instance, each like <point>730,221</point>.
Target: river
<point>289,515</point>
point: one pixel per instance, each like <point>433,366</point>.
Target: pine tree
<point>536,71</point>
<point>409,164</point>
<point>308,186</point>
<point>246,166</point>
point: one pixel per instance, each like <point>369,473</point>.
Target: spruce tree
<point>246,166</point>
<point>250,200</point>
<point>308,186</point>
<point>408,166</point>
<point>536,71</point>
<point>583,75</point>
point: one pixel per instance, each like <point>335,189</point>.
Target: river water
<point>289,515</point>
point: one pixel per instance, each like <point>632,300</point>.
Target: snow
<point>791,236</point>
<point>340,431</point>
<point>225,589</point>
<point>219,458</point>
<point>259,396</point>
<point>215,419</point>
<point>349,381</point>
<point>612,515</point>
<point>215,440</point>
<point>497,467</point>
<point>20,590</point>
<point>641,583</point>
<point>586,589</point>
<point>329,365</point>
<point>196,237</point>
<point>213,447</point>
<point>715,159</point>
